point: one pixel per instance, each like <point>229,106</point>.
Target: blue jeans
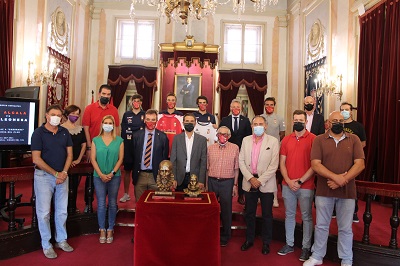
<point>305,198</point>
<point>102,189</point>
<point>45,187</point>
<point>344,218</point>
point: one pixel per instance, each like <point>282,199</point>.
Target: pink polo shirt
<point>255,152</point>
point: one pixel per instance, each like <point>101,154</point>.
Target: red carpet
<point>89,252</point>
<point>379,232</point>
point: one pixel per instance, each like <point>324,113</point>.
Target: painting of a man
<point>187,89</point>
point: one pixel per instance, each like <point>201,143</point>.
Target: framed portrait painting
<point>187,89</point>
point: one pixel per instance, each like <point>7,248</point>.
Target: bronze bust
<point>165,178</point>
<point>193,189</point>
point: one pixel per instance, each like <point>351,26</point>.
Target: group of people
<point>242,160</point>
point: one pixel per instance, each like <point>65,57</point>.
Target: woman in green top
<point>106,156</point>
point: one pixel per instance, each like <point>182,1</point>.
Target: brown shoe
<point>241,199</point>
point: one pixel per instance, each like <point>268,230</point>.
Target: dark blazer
<point>318,125</point>
<point>198,158</point>
<point>159,152</point>
<point>243,131</point>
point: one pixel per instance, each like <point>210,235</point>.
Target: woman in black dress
<point>72,114</point>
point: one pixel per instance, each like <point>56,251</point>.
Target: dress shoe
<point>265,249</point>
<point>241,199</point>
<point>223,243</point>
<point>246,245</point>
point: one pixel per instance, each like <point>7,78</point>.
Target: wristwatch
<point>113,172</point>
<point>299,182</point>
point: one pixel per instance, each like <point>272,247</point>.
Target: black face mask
<point>188,127</point>
<point>309,106</point>
<point>298,126</point>
<point>104,100</point>
<point>337,128</point>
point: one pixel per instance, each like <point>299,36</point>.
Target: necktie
<point>147,154</point>
<point>235,125</point>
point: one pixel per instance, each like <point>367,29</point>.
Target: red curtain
<point>379,90</point>
<point>145,79</point>
<point>389,101</point>
<point>6,44</point>
<point>256,84</point>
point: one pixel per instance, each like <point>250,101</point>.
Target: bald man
<point>315,122</point>
<point>338,158</point>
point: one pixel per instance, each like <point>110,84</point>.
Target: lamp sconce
<point>329,86</point>
<point>48,75</point>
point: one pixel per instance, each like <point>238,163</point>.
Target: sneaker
<point>286,249</point>
<point>64,246</point>
<point>311,262</point>
<point>345,264</point>
<point>223,243</point>
<point>125,198</point>
<point>50,253</point>
<point>305,254</point>
<point>276,204</point>
<point>355,218</point>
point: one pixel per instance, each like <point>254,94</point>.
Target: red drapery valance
<point>256,85</point>
<point>188,57</point>
<point>145,79</point>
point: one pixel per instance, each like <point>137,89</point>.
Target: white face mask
<point>55,120</point>
<point>108,128</point>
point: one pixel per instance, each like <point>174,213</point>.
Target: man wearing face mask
<point>315,122</point>
<point>148,149</point>
<point>356,128</point>
<point>52,156</point>
<point>240,127</point>
<point>189,155</point>
<point>132,121</point>
<point>298,183</point>
<point>276,128</point>
<point>223,171</point>
<point>171,105</point>
<point>338,158</point>
<point>276,124</point>
<point>95,112</point>
<point>170,121</point>
<point>202,115</point>
<point>258,161</point>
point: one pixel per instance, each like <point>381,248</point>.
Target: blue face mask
<point>108,128</point>
<point>345,114</point>
<point>258,130</point>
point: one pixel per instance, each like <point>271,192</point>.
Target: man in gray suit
<point>189,155</point>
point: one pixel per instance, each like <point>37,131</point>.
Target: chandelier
<point>181,10</point>
<point>328,86</point>
<point>47,76</point>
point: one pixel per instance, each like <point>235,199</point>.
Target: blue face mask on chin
<point>258,130</point>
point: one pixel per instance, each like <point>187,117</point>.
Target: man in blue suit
<point>240,127</point>
<point>189,155</point>
<point>188,93</point>
<point>149,148</point>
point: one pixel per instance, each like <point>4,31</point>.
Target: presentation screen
<point>18,120</point>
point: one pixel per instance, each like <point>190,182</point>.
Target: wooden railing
<point>385,190</point>
<point>12,175</point>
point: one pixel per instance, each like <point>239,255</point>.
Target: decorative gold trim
<point>181,46</point>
